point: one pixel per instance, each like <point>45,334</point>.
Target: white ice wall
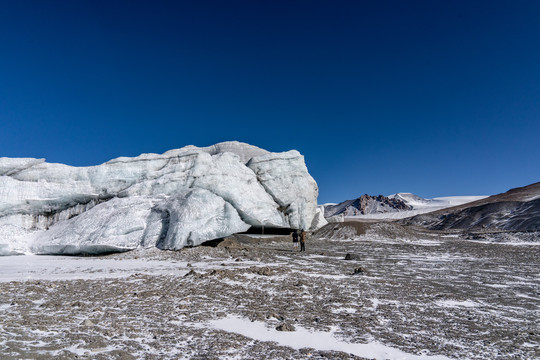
<point>208,193</point>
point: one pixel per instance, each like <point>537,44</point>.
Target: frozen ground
<point>409,297</point>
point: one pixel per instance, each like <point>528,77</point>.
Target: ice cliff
<point>183,197</point>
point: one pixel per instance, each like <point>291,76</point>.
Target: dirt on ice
<point>374,293</point>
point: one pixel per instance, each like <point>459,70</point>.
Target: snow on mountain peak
<point>395,206</point>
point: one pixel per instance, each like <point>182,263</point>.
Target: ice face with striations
<point>192,217</point>
<point>183,197</point>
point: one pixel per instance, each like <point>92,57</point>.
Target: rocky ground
<point>404,294</point>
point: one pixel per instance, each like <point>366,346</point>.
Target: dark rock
<point>192,273</point>
<point>285,327</point>
<point>360,271</point>
<point>264,271</point>
<point>349,256</point>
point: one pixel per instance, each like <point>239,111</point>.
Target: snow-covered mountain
<point>421,205</point>
<point>366,205</point>
<point>180,198</point>
<point>395,206</point>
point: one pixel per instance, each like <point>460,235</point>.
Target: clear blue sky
<point>437,98</point>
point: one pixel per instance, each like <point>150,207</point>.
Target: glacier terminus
<point>183,197</point>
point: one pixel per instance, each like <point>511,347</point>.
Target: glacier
<point>180,198</point>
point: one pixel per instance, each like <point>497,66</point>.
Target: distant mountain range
<point>367,204</point>
<point>515,210</point>
<point>396,206</point>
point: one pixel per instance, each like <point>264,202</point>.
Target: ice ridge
<point>183,197</point>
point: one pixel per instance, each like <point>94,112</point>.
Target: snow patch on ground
<point>510,243</point>
<point>303,338</point>
<point>34,267</point>
<point>455,303</point>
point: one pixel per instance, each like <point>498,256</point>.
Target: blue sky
<point>430,97</point>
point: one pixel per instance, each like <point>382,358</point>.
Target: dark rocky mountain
<point>367,204</point>
<point>515,210</point>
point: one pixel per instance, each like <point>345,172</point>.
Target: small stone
<point>349,256</point>
<point>88,322</point>
<point>264,271</point>
<point>276,316</point>
<point>285,327</point>
<point>360,271</point>
<point>191,273</point>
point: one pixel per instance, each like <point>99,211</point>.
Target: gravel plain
<point>413,294</point>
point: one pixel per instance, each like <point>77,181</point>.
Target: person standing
<point>295,239</point>
<point>303,237</point>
